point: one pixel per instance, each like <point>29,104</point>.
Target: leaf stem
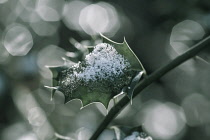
<point>147,81</point>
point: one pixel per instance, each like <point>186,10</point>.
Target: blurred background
<point>39,33</point>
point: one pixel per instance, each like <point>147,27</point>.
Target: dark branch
<point>147,81</point>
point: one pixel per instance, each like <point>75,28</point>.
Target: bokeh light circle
<point>99,18</point>
<point>18,40</point>
<point>164,121</point>
<point>71,12</point>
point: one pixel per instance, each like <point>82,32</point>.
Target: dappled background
<point>39,33</point>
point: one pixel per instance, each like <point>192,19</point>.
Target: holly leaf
<point>101,76</point>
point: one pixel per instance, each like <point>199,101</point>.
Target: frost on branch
<point>101,76</point>
<point>138,136</point>
<point>130,133</point>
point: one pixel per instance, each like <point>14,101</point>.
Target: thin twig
<point>147,81</point>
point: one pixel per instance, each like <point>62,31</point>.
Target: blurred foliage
<point>36,33</point>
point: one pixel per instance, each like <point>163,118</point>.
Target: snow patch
<point>137,136</point>
<point>103,63</point>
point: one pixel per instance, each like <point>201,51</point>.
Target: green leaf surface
<point>65,80</point>
<point>88,97</point>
